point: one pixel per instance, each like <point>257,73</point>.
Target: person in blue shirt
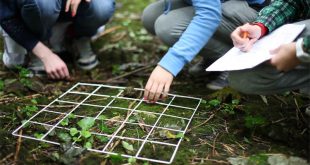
<point>187,26</point>
<point>28,27</point>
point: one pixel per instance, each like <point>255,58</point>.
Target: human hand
<point>53,65</point>
<point>284,57</point>
<point>73,5</point>
<point>245,43</point>
<point>158,84</point>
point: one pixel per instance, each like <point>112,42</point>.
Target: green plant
<point>23,76</point>
<point>30,109</point>
<point>254,121</point>
<point>226,108</point>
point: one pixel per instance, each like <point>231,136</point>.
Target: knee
<point>101,11</point>
<point>149,17</point>
<point>167,30</point>
<point>240,81</point>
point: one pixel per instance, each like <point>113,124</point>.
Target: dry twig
<point>19,141</point>
<point>203,123</point>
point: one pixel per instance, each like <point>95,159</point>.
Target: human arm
<point>199,31</point>
<point>270,18</point>
<point>53,65</point>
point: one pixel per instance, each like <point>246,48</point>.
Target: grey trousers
<point>265,79</point>
<point>168,28</point>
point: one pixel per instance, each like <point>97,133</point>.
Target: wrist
<point>263,28</point>
<point>41,51</point>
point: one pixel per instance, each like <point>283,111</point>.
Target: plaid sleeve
<point>279,13</point>
<point>306,44</point>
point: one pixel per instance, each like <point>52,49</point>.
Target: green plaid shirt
<point>286,11</point>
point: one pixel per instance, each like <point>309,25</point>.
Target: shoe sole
<point>89,66</point>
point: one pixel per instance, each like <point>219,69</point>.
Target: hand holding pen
<point>245,36</point>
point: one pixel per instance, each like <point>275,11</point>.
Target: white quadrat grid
<point>130,112</point>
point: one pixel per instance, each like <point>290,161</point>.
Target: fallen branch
<point>19,141</point>
<point>15,99</point>
<point>6,158</point>
<point>105,32</point>
<point>211,160</point>
<point>203,123</point>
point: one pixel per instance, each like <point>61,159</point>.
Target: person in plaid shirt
<point>289,67</point>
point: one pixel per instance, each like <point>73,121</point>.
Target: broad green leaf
<point>85,134</point>
<point>102,139</point>
<point>104,128</point>
<point>102,117</point>
<point>38,135</point>
<point>132,160</point>
<point>214,102</point>
<point>73,131</point>
<point>86,123</point>
<point>65,122</point>
<point>180,135</point>
<point>64,136</point>
<point>127,146</point>
<point>88,145</point>
<point>76,139</point>
<point>116,159</point>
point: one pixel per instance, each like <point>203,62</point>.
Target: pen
<point>245,35</point>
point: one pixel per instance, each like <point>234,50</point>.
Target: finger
<point>68,4</point>
<point>159,91</point>
<point>153,92</point>
<point>166,90</point>
<point>66,72</point>
<point>56,75</point>
<point>61,74</point>
<point>50,75</point>
<point>147,89</point>
<point>249,45</point>
<point>74,7</point>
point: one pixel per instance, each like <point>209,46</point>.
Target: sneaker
<point>87,59</point>
<point>199,69</point>
<point>220,82</point>
<point>36,67</point>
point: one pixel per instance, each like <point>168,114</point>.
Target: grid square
<point>185,102</point>
<point>153,130</point>
<point>108,91</point>
<point>157,151</point>
<point>124,103</point>
<point>73,97</point>
<point>35,130</point>
<point>165,136</point>
<point>105,127</point>
<point>147,118</point>
<point>117,146</point>
<point>134,131</point>
<point>155,108</point>
<point>61,107</point>
<point>98,100</point>
<point>172,123</point>
<point>84,88</point>
<point>179,112</point>
<point>59,135</point>
<point>48,118</point>
<point>86,110</point>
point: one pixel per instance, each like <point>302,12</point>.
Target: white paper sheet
<point>235,59</point>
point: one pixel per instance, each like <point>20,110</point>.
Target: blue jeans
<point>40,15</point>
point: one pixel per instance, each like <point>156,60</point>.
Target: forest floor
<point>228,127</point>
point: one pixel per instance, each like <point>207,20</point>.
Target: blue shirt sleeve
<point>206,20</point>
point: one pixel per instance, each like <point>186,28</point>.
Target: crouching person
<point>289,67</point>
<point>38,27</point>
